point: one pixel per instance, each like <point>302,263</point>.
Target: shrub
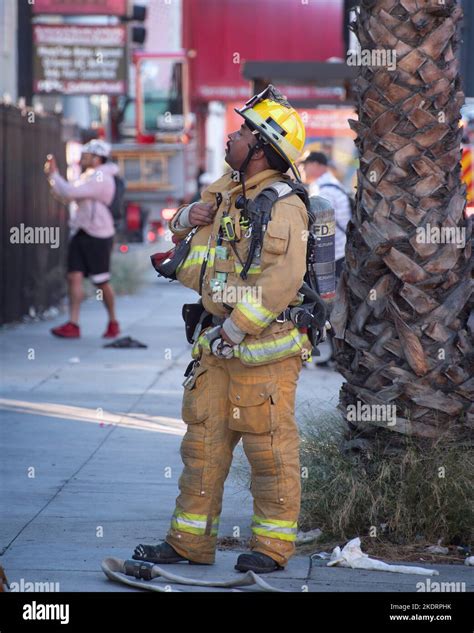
<point>423,491</point>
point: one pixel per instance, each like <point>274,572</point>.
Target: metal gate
<point>32,275</point>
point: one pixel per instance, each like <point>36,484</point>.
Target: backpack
<point>313,311</point>
<point>352,201</point>
<point>117,207</point>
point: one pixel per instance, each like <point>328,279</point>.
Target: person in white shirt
<point>321,182</point>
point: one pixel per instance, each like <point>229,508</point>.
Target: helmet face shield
<point>270,93</point>
<point>261,96</point>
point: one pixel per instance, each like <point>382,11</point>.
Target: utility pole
<point>25,52</point>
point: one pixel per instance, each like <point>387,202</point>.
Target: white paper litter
<point>469,560</point>
<point>74,360</point>
<point>437,549</point>
<point>306,537</point>
<point>351,555</point>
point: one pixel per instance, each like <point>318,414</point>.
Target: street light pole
<point>25,52</point>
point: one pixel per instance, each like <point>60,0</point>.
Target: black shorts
<point>91,256</point>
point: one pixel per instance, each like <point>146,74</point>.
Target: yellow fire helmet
<point>270,114</point>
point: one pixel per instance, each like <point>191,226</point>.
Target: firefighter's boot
<point>257,562</point>
<point>162,554</point>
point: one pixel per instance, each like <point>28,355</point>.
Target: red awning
<point>226,33</point>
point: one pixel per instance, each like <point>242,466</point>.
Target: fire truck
<point>156,154</point>
<point>467,175</point>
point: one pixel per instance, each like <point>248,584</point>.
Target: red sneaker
<point>112,330</point>
<point>68,330</point>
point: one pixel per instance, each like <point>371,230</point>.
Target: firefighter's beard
<point>228,156</point>
<point>235,155</point>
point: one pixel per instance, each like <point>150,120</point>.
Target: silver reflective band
<point>282,188</point>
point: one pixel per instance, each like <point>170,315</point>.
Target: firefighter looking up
<point>247,360</point>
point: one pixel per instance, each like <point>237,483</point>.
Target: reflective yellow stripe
<point>275,528</point>
<point>257,353</point>
<point>290,525</point>
<point>255,269</point>
<point>285,345</point>
<point>196,256</point>
<point>255,312</point>
<point>282,537</point>
<point>183,527</point>
<point>201,343</point>
<point>193,523</point>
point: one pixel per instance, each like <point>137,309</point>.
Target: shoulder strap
<point>261,210</point>
<point>262,205</point>
<point>284,189</point>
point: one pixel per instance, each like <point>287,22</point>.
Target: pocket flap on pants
<point>253,406</point>
<point>248,395</point>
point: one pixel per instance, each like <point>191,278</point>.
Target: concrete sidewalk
<point>90,457</point>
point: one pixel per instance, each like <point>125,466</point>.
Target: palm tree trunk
<point>400,317</point>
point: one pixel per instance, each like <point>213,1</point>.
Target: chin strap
<point>242,169</point>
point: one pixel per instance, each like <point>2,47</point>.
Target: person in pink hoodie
<point>93,231</point>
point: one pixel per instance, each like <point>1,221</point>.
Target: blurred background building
<point>160,79</point>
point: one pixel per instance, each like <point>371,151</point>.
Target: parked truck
<point>156,153</point>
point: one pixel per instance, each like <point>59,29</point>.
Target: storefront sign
<point>79,60</point>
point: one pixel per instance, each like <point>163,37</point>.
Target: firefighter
<point>247,360</point>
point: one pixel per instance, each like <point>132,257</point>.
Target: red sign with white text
<point>80,7</point>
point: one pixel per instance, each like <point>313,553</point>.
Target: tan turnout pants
<point>223,402</point>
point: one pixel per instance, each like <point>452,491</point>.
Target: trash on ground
<point>307,537</point>
<point>469,561</point>
<point>74,360</point>
<point>126,341</point>
<point>437,549</point>
<point>352,556</point>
